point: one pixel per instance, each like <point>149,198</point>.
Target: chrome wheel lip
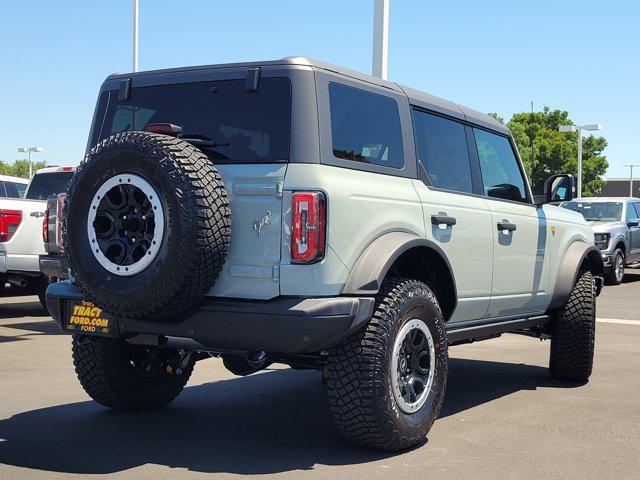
<point>158,231</point>
<point>403,404</point>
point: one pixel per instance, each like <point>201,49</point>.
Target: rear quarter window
<point>365,127</point>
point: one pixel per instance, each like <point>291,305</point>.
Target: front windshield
<point>597,211</point>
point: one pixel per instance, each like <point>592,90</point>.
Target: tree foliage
<point>19,168</point>
<point>556,152</point>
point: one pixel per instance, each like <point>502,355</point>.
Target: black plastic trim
<point>54,266</point>
<point>282,325</point>
<point>462,333</point>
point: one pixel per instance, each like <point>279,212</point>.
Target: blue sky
<point>581,56</point>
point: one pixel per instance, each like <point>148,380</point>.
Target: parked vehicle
<point>298,212</point>
<point>616,226</point>
<point>21,225</point>
<point>53,264</point>
<point>12,187</point>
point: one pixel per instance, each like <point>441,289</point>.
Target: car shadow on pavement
<point>22,309</point>
<point>261,424</point>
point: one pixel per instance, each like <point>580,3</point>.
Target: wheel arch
<point>404,254</point>
<point>578,256</point>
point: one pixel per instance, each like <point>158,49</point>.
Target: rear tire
<point>615,275</point>
<point>369,405</point>
<point>127,377</point>
<point>573,330</point>
<point>41,289</point>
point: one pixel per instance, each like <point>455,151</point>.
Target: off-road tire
<point>358,372</point>
<point>197,223</point>
<point>106,374</point>
<point>610,276</point>
<point>573,330</point>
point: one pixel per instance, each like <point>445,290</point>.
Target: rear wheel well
<point>426,265</point>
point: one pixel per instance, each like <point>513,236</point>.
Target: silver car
<point>615,223</point>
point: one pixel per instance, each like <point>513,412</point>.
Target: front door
<point>520,265</point>
<point>633,216</point>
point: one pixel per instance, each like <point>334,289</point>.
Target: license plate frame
<point>84,318</point>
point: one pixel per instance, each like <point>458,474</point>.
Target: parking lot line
<point>618,320</point>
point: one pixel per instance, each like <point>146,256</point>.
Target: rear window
<point>248,126</point>
<point>365,127</point>
<point>44,185</point>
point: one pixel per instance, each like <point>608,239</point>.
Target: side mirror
<point>557,188</point>
<point>633,223</point>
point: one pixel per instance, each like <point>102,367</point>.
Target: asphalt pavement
<point>503,416</point>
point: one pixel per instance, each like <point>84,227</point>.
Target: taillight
<point>9,222</point>
<point>308,227</point>
<point>45,230</point>
<point>59,209</point>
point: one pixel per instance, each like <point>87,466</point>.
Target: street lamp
<point>380,38</point>
<point>28,151</point>
<point>631,178</point>
<point>579,129</point>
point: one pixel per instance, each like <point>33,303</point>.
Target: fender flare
<point>372,266</point>
<point>567,276</point>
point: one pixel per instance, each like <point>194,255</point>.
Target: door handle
<point>443,219</point>
<point>506,225</point>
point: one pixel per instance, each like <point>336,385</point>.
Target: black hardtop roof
<point>416,97</point>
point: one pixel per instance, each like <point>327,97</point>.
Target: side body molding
<point>573,259</point>
<point>374,263</point>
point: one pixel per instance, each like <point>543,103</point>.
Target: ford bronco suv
<point>297,212</point>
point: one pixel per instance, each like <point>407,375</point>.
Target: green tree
<point>556,152</point>
<point>20,168</point>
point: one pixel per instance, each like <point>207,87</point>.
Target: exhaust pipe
<point>17,281</point>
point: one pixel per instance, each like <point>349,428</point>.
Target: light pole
<point>28,151</point>
<point>631,178</point>
<point>380,38</point>
<point>579,129</point>
<point>135,35</point>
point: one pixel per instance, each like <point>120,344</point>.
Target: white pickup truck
<point>21,228</point>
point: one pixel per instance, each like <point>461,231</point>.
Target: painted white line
<point>618,320</point>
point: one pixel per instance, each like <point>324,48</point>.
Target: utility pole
<point>631,177</point>
<point>28,151</point>
<point>579,129</point>
<point>380,38</point>
<point>135,35</point>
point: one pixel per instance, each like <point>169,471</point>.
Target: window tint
<point>442,148</point>
<point>12,189</point>
<point>3,190</point>
<point>45,184</point>
<point>22,189</point>
<point>248,126</point>
<point>365,127</point>
<point>501,174</point>
<point>631,212</point>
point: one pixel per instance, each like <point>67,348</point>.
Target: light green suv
<point>297,212</point>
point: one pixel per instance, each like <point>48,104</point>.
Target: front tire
<point>386,383</point>
<point>615,275</point>
<point>127,377</point>
<point>573,330</point>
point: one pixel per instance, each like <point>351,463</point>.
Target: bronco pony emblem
<point>261,224</point>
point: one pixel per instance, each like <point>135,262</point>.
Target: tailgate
<point>27,238</point>
<point>252,267</point>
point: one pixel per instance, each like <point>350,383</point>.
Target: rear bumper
<point>11,262</point>
<point>54,266</point>
<point>282,325</point>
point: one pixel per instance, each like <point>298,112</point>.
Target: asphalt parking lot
<point>503,416</point>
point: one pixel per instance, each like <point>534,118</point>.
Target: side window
<point>501,174</point>
<point>631,212</point>
<point>365,127</point>
<point>22,189</point>
<point>442,148</point>
<point>3,190</point>
<point>12,190</point>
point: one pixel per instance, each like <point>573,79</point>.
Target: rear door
<point>456,219</point>
<point>633,215</point>
<point>520,267</point>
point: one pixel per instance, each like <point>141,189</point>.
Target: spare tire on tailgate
<point>147,225</point>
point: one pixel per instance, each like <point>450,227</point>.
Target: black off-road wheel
<point>573,332</point>
<point>615,274</point>
<point>147,225</point>
<point>386,383</point>
<point>128,377</point>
